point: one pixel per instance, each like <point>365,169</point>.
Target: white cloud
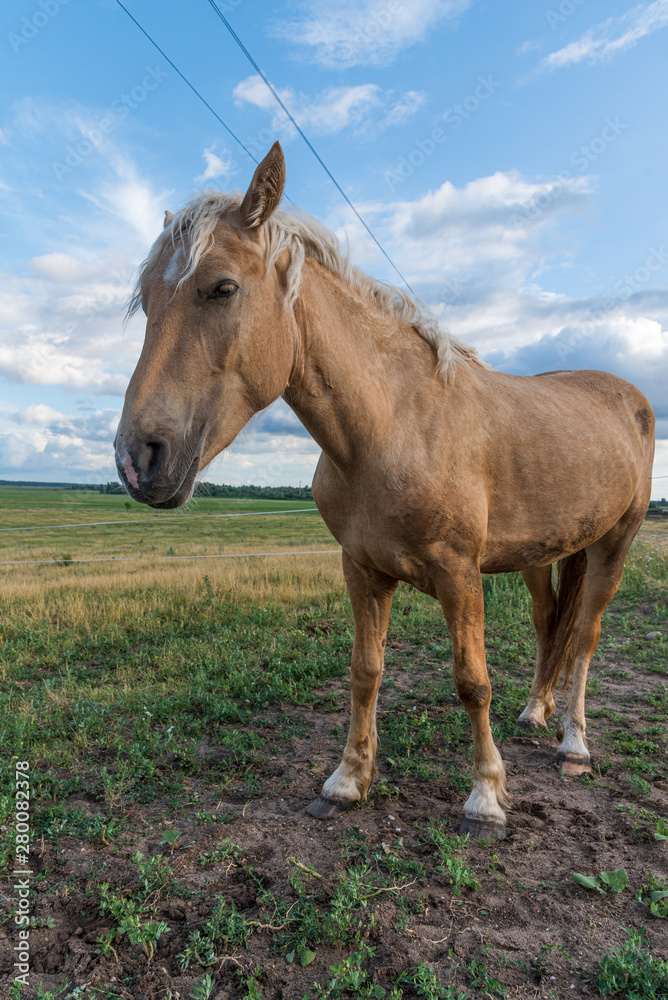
<point>61,324</point>
<point>130,199</point>
<point>606,39</point>
<point>365,106</point>
<point>274,450</point>
<point>48,443</point>
<point>98,425</point>
<point>531,45</point>
<point>38,414</point>
<point>215,166</point>
<point>371,32</point>
<point>405,108</point>
<point>61,315</point>
<point>15,452</point>
<point>646,338</point>
<point>60,459</point>
<point>58,266</point>
<point>253,90</point>
<point>487,234</point>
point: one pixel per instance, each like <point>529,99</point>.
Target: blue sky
<point>511,158</point>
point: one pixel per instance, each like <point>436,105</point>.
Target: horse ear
<point>168,220</point>
<point>265,190</point>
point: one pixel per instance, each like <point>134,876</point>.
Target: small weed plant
<point>225,926</point>
<point>424,981</point>
<point>449,847</point>
<point>615,881</point>
<point>654,894</point>
<point>632,973</point>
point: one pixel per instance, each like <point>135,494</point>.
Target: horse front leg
<point>371,598</point>
<point>460,595</point>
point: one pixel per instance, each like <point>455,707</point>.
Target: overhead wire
<point>187,82</point>
<point>220,555</point>
<point>281,103</point>
<point>308,142</point>
<point>157,519</point>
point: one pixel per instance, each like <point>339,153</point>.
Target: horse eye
<point>223,290</point>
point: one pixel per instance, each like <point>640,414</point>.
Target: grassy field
<point>46,524</point>
<point>144,541</point>
<point>178,716</point>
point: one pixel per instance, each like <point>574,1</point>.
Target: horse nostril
<point>156,457</point>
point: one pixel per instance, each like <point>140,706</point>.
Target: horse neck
<point>355,370</point>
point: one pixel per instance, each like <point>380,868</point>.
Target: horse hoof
<point>322,808</point>
<point>528,726</point>
<point>574,764</point>
<point>483,828</point>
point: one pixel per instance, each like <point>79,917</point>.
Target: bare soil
<point>533,929</point>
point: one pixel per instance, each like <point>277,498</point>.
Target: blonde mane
<point>304,236</point>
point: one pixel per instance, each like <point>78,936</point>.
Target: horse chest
<point>380,542</point>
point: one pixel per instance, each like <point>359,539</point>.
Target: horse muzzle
<point>151,477</point>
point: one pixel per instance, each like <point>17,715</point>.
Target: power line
<point>230,555</point>
<point>306,140</point>
<point>187,81</point>
<point>159,518</point>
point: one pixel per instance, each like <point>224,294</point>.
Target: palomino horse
<point>434,469</point>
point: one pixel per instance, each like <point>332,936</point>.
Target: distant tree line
<point>51,486</point>
<point>249,492</point>
<point>202,490</point>
<point>255,492</point>
<point>657,505</point>
<point>241,492</point>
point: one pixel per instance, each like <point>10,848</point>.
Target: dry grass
<point>285,578</point>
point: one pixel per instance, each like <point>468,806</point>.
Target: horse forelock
<point>191,233</point>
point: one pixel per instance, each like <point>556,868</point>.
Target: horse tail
<point>570,587</point>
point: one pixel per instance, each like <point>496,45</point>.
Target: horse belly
<point>538,527</point>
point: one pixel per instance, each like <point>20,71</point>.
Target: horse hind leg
<point>544,600</point>
<point>605,566</point>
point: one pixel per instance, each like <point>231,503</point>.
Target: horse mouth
<point>160,495</point>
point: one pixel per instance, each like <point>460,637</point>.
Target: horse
<point>434,469</point>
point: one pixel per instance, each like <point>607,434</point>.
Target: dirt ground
<point>528,925</point>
